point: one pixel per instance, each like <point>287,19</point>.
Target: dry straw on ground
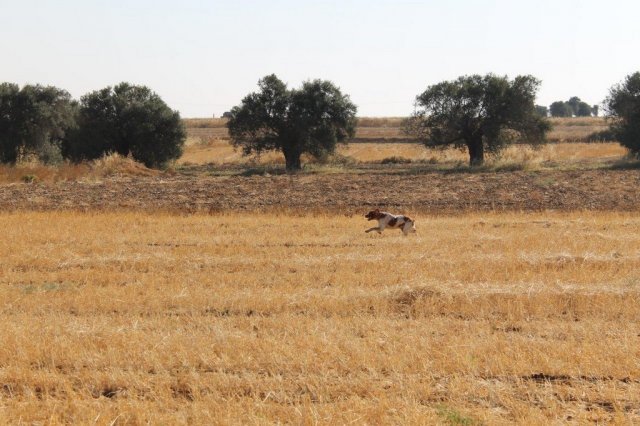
<point>107,166</point>
<point>130,318</point>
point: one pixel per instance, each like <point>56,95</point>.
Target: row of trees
<point>478,113</point>
<point>481,114</point>
<point>44,121</point>
<point>574,107</point>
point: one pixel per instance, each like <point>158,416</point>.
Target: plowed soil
<point>433,192</point>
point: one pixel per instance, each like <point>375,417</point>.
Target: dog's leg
<point>379,228</point>
<point>407,228</point>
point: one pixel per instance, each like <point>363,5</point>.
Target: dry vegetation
<point>219,152</point>
<point>130,318</point>
<point>390,129</point>
<point>107,166</point>
<point>382,139</point>
<point>276,307</point>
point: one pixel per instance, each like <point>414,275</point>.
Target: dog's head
<point>413,228</point>
<point>374,215</point>
<point>409,225</point>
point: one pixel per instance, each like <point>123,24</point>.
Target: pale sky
<point>203,57</point>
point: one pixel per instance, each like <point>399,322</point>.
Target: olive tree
<point>310,120</point>
<point>560,109</point>
<point>583,110</point>
<point>542,111</point>
<point>129,120</point>
<point>33,121</point>
<point>622,107</point>
<point>479,113</point>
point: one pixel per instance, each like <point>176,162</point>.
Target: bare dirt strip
<point>433,192</point>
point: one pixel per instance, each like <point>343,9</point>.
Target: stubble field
<point>224,292</point>
<point>254,318</point>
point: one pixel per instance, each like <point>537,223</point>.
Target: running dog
<point>389,220</point>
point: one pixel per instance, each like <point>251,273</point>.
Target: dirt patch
<point>432,192</point>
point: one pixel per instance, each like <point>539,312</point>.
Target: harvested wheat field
<point>495,318</point>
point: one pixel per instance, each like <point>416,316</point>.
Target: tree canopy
<point>622,106</point>
<point>573,107</point>
<point>33,120</point>
<point>542,111</point>
<point>311,120</point>
<point>560,109</point>
<point>481,113</point>
<point>126,119</point>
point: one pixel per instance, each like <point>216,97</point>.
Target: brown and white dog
<point>388,220</point>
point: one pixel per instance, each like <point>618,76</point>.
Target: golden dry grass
<point>219,151</point>
<point>205,123</point>
<point>372,129</point>
<point>131,318</point>
<point>109,165</point>
<point>576,129</point>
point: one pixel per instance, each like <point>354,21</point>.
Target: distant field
<point>378,139</point>
<point>133,318</point>
<point>219,151</point>
<point>389,129</point>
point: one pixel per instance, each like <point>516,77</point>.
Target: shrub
<point>128,120</point>
<point>623,109</point>
<point>49,153</point>
<point>33,121</point>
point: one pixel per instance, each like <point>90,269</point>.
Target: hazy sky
<point>203,57</point>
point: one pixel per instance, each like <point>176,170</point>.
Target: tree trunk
<point>476,152</point>
<point>292,159</point>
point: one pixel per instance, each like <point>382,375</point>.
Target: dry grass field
<point>135,318</point>
<point>220,152</point>
<point>223,292</point>
<point>390,129</point>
